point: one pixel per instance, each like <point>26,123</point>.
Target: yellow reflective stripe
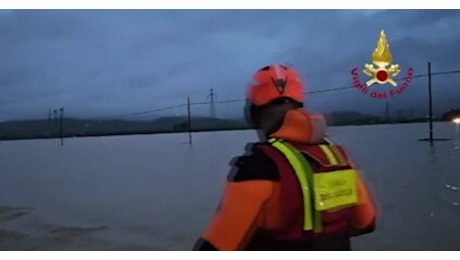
<point>271,140</point>
<point>309,174</point>
<point>329,154</point>
<point>342,161</point>
<point>298,169</point>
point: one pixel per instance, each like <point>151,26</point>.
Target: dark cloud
<point>419,18</point>
<point>102,62</point>
<point>23,26</point>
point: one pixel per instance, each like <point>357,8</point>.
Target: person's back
<point>295,191</point>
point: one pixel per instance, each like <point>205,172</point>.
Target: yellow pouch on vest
<point>335,189</point>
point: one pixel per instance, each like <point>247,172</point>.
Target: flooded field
<point>155,192</point>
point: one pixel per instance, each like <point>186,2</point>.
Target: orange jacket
<point>251,197</point>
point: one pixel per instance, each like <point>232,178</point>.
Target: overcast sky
<point>103,63</point>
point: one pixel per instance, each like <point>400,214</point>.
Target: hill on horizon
<point>72,127</point>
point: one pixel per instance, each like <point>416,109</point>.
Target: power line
<point>144,112</point>
<point>219,102</point>
<point>399,78</point>
<point>212,95</point>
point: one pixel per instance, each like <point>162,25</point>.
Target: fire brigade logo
<point>382,71</point>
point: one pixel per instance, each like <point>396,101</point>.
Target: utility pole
<point>189,122</point>
<point>212,106</point>
<point>430,104</point>
<point>61,125</point>
<point>55,118</point>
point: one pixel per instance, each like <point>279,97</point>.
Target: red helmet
<point>273,82</point>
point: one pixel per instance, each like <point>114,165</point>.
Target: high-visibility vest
<point>321,191</point>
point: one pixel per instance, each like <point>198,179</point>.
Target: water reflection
<point>450,177</point>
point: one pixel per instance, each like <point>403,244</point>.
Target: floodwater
<point>155,192</point>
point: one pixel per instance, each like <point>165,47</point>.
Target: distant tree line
<point>72,127</point>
